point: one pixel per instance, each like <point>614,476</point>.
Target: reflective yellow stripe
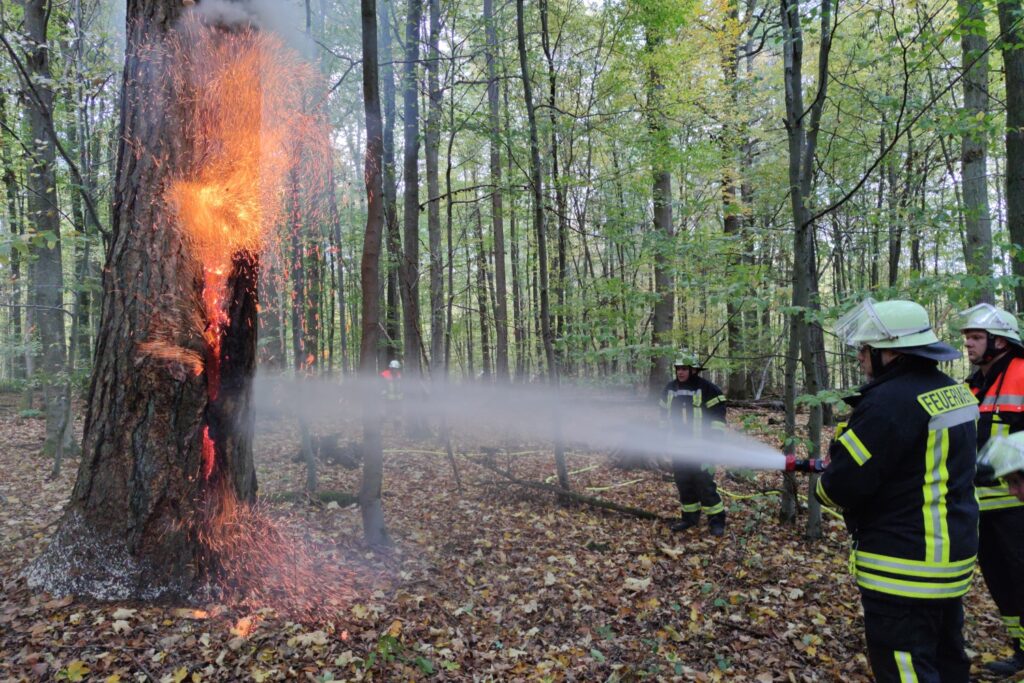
<point>714,509</point>
<point>691,507</point>
<point>822,496</point>
<point>905,665</point>
<point>913,589</point>
<point>718,424</point>
<point>989,504</point>
<point>840,428</point>
<point>855,446</point>
<point>715,401</point>
<point>936,476</point>
<point>900,565</point>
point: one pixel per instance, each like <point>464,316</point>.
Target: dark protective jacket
<point>902,471</point>
<point>1001,395</point>
<point>693,405</point>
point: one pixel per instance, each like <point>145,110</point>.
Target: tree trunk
<point>169,424</point>
<point>432,144</point>
<point>392,325</point>
<point>663,231</point>
<point>497,189</point>
<point>374,529</point>
<point>46,275</point>
<point>802,126</point>
<point>973,149</point>
<point>410,270</point>
<point>536,181</point>
<point>10,180</point>
<point>1010,16</point>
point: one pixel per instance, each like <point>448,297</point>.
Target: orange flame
<point>245,96</point>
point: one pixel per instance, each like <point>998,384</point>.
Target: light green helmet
<point>995,321</point>
<point>897,324</point>
<point>1004,454</point>
<point>686,358</point>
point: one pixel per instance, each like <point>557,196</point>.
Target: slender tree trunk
<point>392,326</point>
<point>432,143</point>
<point>410,270</point>
<point>663,230</point>
<point>802,126</point>
<point>481,291</point>
<point>10,179</point>
<point>536,180</point>
<point>1010,18</point>
<point>374,529</point>
<point>46,273</point>
<point>497,189</point>
<point>973,148</point>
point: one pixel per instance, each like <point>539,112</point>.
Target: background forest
<point>720,175</point>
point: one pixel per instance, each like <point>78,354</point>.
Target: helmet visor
<point>863,325</point>
<point>984,317</point>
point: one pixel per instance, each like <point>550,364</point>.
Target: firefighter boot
<point>1009,666</point>
<point>716,524</point>
<point>688,520</point>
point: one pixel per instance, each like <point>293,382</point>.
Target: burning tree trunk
<point>207,118</point>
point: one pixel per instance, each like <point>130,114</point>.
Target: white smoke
<point>285,18</point>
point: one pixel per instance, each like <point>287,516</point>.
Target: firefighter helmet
<point>395,365</point>
<point>686,359</point>
<point>1004,454</point>
<point>995,321</point>
<point>899,325</point>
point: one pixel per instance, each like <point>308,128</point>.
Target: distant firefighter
<point>902,471</point>
<point>694,406</point>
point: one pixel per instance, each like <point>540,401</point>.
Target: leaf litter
<point>490,582</point>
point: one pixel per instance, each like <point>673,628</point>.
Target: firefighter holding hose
<point>694,405</point>
<point>902,471</point>
<point>993,343</point>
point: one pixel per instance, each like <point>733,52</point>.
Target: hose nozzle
<point>809,465</point>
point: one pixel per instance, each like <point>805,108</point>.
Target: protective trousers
<point>920,641</point>
<point>697,491</point>
<point>1001,556</point>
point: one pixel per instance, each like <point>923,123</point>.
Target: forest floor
<point>490,582</point>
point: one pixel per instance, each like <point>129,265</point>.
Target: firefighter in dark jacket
<point>993,344</point>
<point>694,406</point>
<point>902,472</point>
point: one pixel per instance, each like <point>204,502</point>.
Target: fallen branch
<point>572,495</point>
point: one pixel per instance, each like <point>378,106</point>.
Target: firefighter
<point>901,470</point>
<point>393,381</point>
<point>993,344</point>
<point>694,405</point>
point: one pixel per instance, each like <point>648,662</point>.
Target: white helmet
<point>995,321</point>
<point>395,365</point>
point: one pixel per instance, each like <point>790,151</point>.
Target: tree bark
<point>374,529</point>
<point>802,126</point>
<point>497,190</point>
<point>1010,13</point>
<point>410,270</point>
<point>663,231</point>
<point>432,143</point>
<point>392,325</point>
<point>46,275</point>
<point>973,147</point>
<point>536,181</point>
